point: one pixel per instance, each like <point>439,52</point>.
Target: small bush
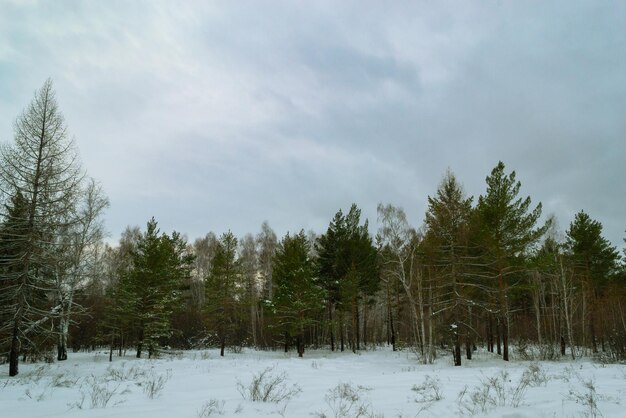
<point>268,386</point>
<point>36,374</point>
<point>535,376</point>
<point>492,392</point>
<point>121,374</point>
<point>211,407</point>
<point>588,397</point>
<point>429,391</point>
<point>346,401</point>
<point>154,384</point>
<point>60,380</point>
<point>98,394</point>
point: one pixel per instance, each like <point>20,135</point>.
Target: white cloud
<point>220,115</point>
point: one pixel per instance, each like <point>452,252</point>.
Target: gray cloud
<point>216,116</point>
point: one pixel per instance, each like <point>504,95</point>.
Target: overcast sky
<point>217,115</point>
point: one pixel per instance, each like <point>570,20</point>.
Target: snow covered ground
<point>322,384</point>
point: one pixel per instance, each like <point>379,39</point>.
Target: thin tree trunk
<point>457,350</point>
<point>140,343</point>
<point>14,354</point>
<point>365,323</point>
<point>341,331</point>
<point>111,347</point>
<point>567,309</point>
<point>505,317</point>
<point>286,342</point>
<point>498,337</point>
<point>331,326</point>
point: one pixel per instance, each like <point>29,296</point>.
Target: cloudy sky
<point>217,115</point>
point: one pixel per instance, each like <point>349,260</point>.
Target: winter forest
<point>486,275</point>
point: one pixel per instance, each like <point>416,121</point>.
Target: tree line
<point>475,272</point>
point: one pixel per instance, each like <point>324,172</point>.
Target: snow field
<point>378,383</point>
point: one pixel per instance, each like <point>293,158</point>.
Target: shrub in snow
<point>346,401</point>
<point>268,386</point>
<point>492,392</point>
<point>122,374</point>
<point>587,397</point>
<point>429,391</point>
<point>153,385</point>
<point>98,394</point>
<point>211,407</point>
<point>61,380</point>
<point>535,376</point>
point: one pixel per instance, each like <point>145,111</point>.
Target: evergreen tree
<point>298,298</point>
<point>348,269</point>
<point>223,291</point>
<point>153,287</point>
<point>506,230</point>
<point>594,260</point>
<point>329,269</point>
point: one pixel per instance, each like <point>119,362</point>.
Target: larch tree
<point>41,167</point>
<point>447,223</point>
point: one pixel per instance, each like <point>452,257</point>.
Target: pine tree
<point>594,260</point>
<point>330,269</point>
<point>223,291</point>
<point>298,298</point>
<point>151,290</point>
<point>348,269</point>
<point>506,231</point>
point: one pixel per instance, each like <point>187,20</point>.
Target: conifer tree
<point>506,230</point>
<point>298,298</point>
<point>348,269</point>
<point>223,291</point>
<point>594,260</point>
<point>153,287</point>
<point>41,166</point>
<point>447,222</point>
